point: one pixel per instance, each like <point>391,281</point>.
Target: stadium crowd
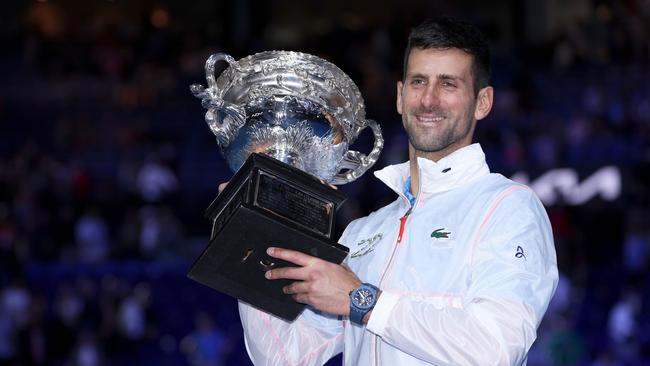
<point>106,167</point>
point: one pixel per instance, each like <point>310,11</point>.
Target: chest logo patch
<point>520,252</point>
<point>440,234</point>
<point>366,246</point>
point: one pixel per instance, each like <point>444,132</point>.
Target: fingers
<point>292,256</point>
<point>289,273</point>
<point>299,287</point>
<point>222,186</point>
<point>301,298</point>
<point>303,292</point>
<point>323,285</point>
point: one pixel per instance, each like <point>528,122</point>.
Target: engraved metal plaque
<point>285,200</point>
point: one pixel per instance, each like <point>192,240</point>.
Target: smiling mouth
<point>428,118</point>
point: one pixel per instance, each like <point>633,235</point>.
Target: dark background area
<point>107,165</point>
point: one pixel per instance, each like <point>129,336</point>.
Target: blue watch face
<point>363,298</point>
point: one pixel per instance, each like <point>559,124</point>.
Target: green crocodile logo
<point>440,234</point>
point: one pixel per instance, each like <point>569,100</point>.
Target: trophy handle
<point>355,163</point>
<point>235,117</point>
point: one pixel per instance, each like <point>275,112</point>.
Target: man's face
<point>437,101</point>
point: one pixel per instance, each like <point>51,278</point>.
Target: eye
<point>417,82</point>
<point>448,84</point>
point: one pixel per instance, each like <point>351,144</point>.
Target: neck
<point>415,177</point>
<point>430,155</point>
<point>413,167</point>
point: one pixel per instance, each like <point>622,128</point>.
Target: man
<point>458,270</point>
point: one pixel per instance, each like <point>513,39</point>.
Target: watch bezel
<point>359,303</point>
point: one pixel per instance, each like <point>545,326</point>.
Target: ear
<point>399,97</point>
<point>484,102</point>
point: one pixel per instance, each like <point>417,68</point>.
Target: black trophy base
<point>267,203</point>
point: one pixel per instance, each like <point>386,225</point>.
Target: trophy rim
<point>334,81</point>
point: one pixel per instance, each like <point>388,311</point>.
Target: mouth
<point>429,118</point>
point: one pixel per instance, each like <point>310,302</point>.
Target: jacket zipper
<point>402,225</point>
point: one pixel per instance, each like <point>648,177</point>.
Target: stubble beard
<point>428,143</point>
<point>427,140</point>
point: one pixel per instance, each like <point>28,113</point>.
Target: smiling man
<point>458,270</point>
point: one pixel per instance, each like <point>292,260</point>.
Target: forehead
<point>436,61</point>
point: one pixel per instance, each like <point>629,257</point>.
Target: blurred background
<point>107,165</point>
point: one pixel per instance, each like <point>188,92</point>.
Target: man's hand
<point>324,285</point>
<point>222,186</point>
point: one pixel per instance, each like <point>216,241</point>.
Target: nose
<point>430,97</point>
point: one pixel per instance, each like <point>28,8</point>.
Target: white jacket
<point>465,277</point>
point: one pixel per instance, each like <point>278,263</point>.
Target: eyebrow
<point>449,77</point>
<point>439,76</point>
<point>416,75</point>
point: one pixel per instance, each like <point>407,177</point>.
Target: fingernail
<point>269,250</point>
<point>267,274</point>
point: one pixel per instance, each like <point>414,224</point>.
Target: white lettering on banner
<point>605,182</point>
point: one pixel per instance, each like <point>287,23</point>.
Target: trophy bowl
<point>284,122</point>
<point>297,108</point>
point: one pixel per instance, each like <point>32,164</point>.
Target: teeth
<point>429,119</point>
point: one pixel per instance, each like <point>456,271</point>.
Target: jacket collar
<point>454,170</point>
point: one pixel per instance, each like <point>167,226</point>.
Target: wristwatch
<point>362,300</point>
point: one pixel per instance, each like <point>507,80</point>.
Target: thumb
<point>222,186</point>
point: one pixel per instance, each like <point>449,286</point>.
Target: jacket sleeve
<point>513,275</point>
<point>311,339</point>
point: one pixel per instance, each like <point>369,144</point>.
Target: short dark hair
<point>446,33</point>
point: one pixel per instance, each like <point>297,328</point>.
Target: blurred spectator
<point>131,321</point>
<point>160,232</point>
<point>543,150</point>
<point>150,231</point>
<point>91,236</point>
<point>206,345</point>
<point>565,345</point>
<point>68,309</point>
<point>636,244</point>
<point>15,301</point>
<point>7,346</point>
<point>636,248</point>
<point>31,337</point>
<point>87,352</point>
<point>622,326</point>
<point>156,180</point>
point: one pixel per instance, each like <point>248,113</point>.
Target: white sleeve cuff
<point>381,312</point>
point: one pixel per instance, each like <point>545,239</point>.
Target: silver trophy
<point>297,108</point>
<point>284,122</point>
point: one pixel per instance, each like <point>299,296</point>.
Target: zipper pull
<point>402,223</point>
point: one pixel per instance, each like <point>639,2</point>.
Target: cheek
<point>458,103</point>
<point>410,101</point>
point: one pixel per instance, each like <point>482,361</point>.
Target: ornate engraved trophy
<point>284,122</point>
